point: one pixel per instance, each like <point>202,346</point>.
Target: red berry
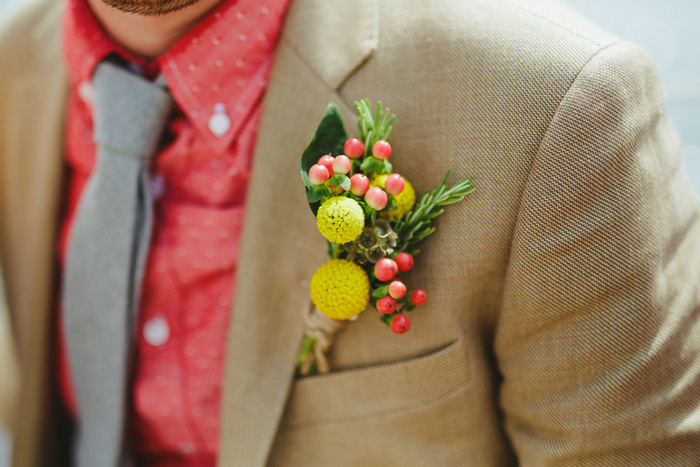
<point>376,198</point>
<point>400,324</point>
<point>359,184</point>
<point>394,184</point>
<point>386,304</point>
<point>397,289</point>
<point>327,162</point>
<point>341,164</point>
<point>353,148</point>
<point>318,174</point>
<point>418,297</point>
<point>385,269</point>
<point>381,149</point>
<point>405,262</point>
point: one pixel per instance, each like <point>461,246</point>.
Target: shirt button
<point>219,122</point>
<point>156,331</point>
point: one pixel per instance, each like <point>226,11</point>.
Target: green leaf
<point>381,291</point>
<point>387,168</point>
<point>340,180</point>
<point>317,193</point>
<point>328,138</point>
<point>367,164</point>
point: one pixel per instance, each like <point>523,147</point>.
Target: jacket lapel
<point>280,246</point>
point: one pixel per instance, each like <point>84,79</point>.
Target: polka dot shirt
<point>217,75</point>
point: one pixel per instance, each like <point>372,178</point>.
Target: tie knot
<point>130,113</point>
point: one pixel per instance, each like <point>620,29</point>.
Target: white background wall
<point>669,32</point>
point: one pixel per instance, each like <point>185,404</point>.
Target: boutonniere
<point>372,223</point>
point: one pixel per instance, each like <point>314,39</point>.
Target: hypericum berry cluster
<point>376,196</point>
<point>392,293</point>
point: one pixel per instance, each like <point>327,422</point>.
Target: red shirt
<point>217,74</point>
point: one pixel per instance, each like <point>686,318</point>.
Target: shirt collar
<point>216,73</point>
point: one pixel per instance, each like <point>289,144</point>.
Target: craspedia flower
<point>340,289</point>
<point>340,219</point>
<point>404,200</point>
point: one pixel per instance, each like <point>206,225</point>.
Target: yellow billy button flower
<point>404,200</point>
<point>340,289</point>
<point>340,219</point>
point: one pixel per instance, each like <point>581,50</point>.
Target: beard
<point>149,7</point>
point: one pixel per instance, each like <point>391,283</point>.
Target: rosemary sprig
<point>415,225</point>
<point>373,126</point>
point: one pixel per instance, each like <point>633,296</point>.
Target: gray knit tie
<point>106,257</point>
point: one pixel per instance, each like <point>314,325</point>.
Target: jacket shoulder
<point>532,35</point>
<point>29,37</point>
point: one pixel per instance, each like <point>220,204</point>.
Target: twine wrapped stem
<point>318,338</point>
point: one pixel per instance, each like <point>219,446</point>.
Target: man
<point>562,326</point>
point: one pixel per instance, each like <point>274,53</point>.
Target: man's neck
<point>149,36</point>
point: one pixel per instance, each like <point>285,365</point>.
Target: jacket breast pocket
<point>379,414</point>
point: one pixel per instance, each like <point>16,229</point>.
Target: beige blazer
<point>562,326</point>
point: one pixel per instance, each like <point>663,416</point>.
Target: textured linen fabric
<point>603,266</point>
<point>562,324</point>
<point>198,182</point>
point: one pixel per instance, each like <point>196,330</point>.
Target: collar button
<point>219,122</point>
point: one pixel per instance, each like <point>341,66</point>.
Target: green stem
<point>305,350</point>
<point>333,251</point>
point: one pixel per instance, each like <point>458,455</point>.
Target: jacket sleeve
<point>598,341</point>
